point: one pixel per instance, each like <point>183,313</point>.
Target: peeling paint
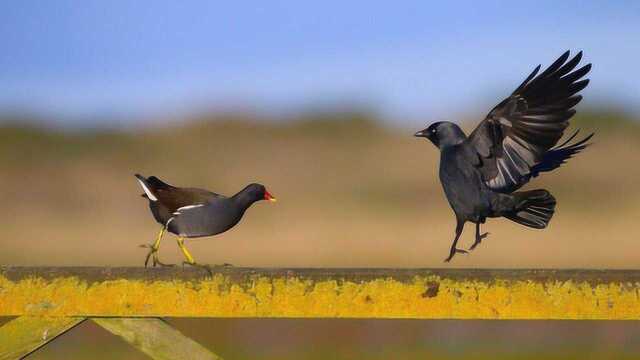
<point>420,297</point>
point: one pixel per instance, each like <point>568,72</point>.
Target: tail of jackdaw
<point>533,208</point>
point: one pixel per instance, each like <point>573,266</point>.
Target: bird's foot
<point>153,255</point>
<point>223,265</point>
<point>205,267</point>
<point>478,240</point>
<point>453,252</point>
<point>153,251</point>
<point>157,262</point>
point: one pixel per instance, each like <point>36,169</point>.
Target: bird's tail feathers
<point>147,186</point>
<point>533,208</point>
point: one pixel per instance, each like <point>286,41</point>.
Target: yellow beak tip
<point>273,200</point>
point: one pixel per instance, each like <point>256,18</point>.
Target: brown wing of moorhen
<point>173,197</point>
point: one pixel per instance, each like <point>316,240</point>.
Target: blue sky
<point>411,61</point>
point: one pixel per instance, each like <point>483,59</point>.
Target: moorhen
<point>191,212</point>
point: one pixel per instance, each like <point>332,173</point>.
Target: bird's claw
<point>156,261</point>
<point>153,251</point>
<point>478,240</point>
<point>207,268</point>
<point>453,252</point>
<point>224,265</point>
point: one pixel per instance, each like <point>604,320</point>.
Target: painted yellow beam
<point>321,293</point>
<point>26,334</point>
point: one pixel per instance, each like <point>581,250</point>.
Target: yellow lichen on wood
<point>424,297</point>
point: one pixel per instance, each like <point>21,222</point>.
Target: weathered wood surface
<point>326,293</point>
<point>240,274</point>
<point>156,338</point>
<point>24,335</point>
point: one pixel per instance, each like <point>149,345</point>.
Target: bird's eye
<point>433,131</point>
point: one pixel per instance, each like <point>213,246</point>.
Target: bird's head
<point>442,134</point>
<point>256,192</point>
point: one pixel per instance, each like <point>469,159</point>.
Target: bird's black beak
<point>422,133</point>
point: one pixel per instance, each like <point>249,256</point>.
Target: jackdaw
<point>514,143</point>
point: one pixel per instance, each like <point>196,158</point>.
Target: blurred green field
<point>352,193</point>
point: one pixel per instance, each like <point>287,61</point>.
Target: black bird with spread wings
<point>514,143</point>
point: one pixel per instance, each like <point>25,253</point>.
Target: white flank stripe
<point>190,207</point>
<point>147,191</point>
<point>187,208</point>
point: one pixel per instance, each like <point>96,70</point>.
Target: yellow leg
<point>153,250</point>
<point>186,253</point>
<point>156,245</point>
<point>189,258</point>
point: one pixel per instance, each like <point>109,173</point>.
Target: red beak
<point>269,197</point>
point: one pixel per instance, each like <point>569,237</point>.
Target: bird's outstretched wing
<point>516,140</point>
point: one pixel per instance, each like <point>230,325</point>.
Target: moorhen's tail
<point>150,185</point>
<point>533,208</point>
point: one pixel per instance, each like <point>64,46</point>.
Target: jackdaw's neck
<point>450,136</point>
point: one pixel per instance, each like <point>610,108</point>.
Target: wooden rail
<point>129,302</point>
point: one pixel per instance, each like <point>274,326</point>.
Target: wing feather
<point>516,140</point>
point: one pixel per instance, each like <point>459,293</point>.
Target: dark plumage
<point>191,212</point>
<point>515,142</point>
